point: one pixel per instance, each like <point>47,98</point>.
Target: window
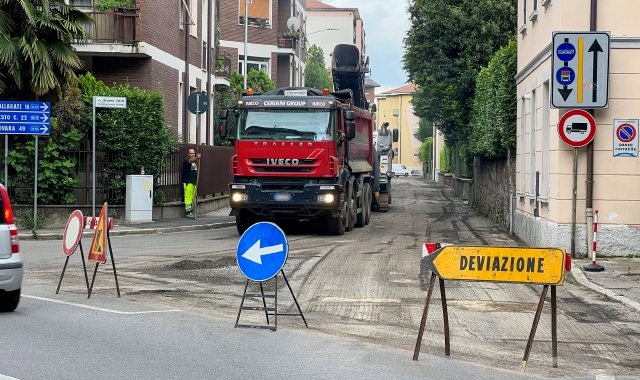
<point>544,180</point>
<point>259,12</point>
<point>532,155</point>
<point>181,14</point>
<point>535,5</point>
<point>83,5</point>
<point>257,63</point>
<point>184,18</point>
<point>204,56</point>
<point>524,11</point>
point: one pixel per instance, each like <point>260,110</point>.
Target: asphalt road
<point>364,288</point>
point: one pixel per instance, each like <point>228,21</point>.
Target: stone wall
<point>492,182</point>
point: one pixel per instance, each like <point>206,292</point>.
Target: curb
<point>140,231</point>
<point>578,274</point>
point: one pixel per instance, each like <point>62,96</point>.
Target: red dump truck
<point>305,154</point>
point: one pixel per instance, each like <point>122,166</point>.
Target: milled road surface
<point>368,285</point>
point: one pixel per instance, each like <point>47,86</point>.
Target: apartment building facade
<point>395,108</point>
<point>328,26</point>
<point>146,48</point>
<point>271,45</point>
<point>545,163</point>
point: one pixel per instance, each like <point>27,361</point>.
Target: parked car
<point>399,170</point>
<point>10,260</point>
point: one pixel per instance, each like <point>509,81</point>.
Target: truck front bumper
<point>301,201</point>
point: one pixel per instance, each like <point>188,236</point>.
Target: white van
<point>399,170</point>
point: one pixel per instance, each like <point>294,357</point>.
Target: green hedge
<point>494,110</point>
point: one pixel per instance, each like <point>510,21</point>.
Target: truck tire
<point>244,220</point>
<point>336,225</point>
<point>368,196</point>
<point>352,210</point>
<point>9,300</point>
<point>361,216</point>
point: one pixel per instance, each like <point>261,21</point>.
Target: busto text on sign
<point>499,264</point>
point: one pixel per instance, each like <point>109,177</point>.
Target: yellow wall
<point>397,110</point>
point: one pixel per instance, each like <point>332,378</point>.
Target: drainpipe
<point>589,200</point>
<point>210,22</point>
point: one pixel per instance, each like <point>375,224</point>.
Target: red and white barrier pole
<point>593,267</point>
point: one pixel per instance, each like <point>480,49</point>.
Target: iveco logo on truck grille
<point>283,161</point>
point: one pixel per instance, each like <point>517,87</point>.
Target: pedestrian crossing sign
<point>97,254</point>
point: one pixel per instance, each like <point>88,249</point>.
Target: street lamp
<point>246,33</point>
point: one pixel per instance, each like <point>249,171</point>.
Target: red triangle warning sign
<point>97,254</point>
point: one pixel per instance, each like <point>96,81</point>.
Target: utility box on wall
<point>139,200</point>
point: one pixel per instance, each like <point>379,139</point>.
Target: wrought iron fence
<point>214,173</point>
<point>116,27</point>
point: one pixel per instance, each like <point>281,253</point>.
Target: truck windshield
<point>305,125</point>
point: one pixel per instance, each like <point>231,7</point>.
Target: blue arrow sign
<point>18,106</point>
<point>29,118</point>
<point>262,251</point>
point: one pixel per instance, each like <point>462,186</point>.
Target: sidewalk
<point>215,219</point>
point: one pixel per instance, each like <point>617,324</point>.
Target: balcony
<point>223,65</point>
<point>113,27</point>
<point>290,42</point>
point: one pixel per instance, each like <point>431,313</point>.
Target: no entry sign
<point>625,138</point>
<point>577,128</point>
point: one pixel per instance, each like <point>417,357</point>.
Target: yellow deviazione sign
<point>499,264</point>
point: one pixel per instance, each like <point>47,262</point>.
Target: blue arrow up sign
<point>17,117</point>
<point>262,251</point>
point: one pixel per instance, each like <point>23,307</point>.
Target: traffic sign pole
<point>574,202</point>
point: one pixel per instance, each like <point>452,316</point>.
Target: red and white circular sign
<point>577,128</point>
<point>72,233</point>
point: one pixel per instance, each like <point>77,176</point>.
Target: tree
<point>424,131</point>
<point>36,49</point>
<point>316,74</point>
<point>447,44</point>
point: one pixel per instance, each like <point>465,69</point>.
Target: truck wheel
<point>367,203</point>
<point>406,174</point>
<point>336,225</point>
<point>9,300</point>
<point>352,210</point>
<point>360,217</point>
<point>244,220</point>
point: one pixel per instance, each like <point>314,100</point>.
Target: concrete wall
<point>492,183</point>
<point>318,21</point>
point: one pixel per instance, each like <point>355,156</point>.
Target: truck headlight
<point>239,197</point>
<point>326,198</point>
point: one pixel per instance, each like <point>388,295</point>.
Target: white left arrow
<point>255,253</point>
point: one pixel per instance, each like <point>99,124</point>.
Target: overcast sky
<point>386,24</point>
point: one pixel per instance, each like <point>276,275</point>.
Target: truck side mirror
<point>395,135</point>
<point>223,123</point>
<point>374,108</point>
<point>349,124</point>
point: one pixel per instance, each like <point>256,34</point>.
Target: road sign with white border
<point>262,251</point>
<point>625,137</point>
<point>72,232</point>
<point>109,102</point>
<point>580,70</point>
<point>577,128</point>
<point>24,118</point>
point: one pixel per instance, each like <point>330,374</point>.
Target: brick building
<point>146,47</point>
<point>270,46</point>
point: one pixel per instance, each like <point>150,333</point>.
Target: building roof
<point>368,82</point>
<point>409,88</point>
<point>314,4</point>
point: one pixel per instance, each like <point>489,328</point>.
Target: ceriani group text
<point>502,264</point>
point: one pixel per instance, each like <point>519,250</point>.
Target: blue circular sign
<point>262,251</point>
<point>565,75</point>
<point>626,133</point>
<point>566,52</point>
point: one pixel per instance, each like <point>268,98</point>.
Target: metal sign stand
<point>534,327</point>
<point>84,267</point>
<point>268,310</point>
<point>113,263</point>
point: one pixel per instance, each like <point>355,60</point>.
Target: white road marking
<point>97,308</point>
<point>3,377</point>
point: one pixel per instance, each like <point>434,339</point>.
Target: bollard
<point>593,267</point>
